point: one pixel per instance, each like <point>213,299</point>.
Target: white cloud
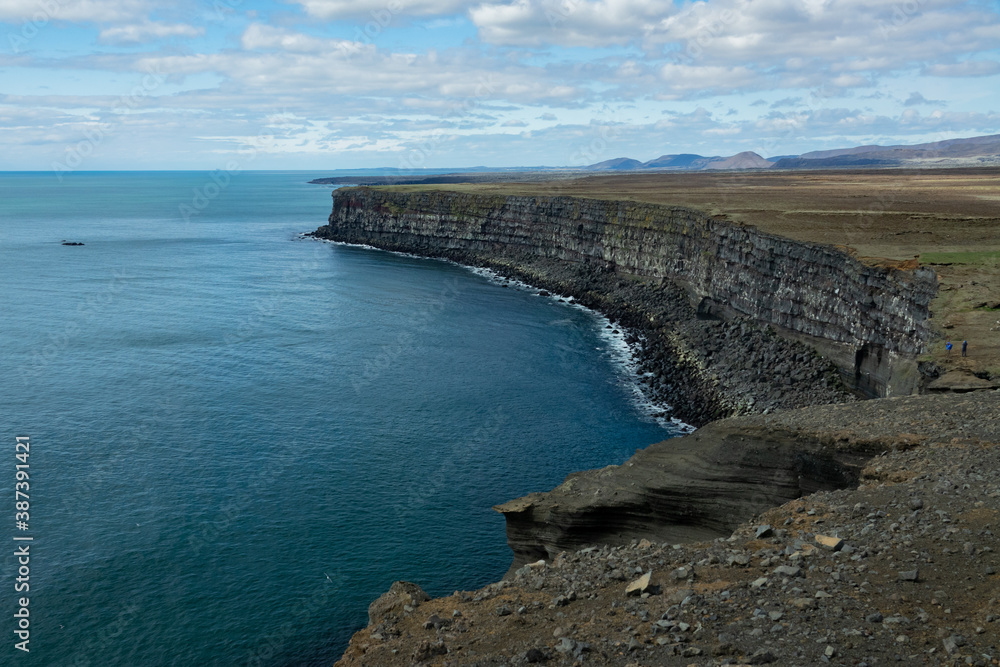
<point>279,62</point>
<point>776,43</point>
<point>264,37</point>
<point>696,66</point>
<point>382,12</point>
<point>706,78</point>
<point>966,68</point>
<point>566,22</point>
<point>916,98</point>
<point>138,33</point>
<point>42,12</point>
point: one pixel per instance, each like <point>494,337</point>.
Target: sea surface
<point>239,438</point>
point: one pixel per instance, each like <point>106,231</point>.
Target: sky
<point>350,84</point>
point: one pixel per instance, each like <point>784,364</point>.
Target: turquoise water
<point>240,438</point>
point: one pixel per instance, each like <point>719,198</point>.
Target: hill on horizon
<point>970,151</point>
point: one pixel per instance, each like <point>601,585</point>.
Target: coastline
<point>728,326</point>
<point>902,569</point>
<point>624,343</point>
<point>556,525</point>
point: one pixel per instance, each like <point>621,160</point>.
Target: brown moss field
<point>947,219</point>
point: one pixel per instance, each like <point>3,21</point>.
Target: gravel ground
<point>901,570</point>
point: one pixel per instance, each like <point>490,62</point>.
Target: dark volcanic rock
<point>703,485</point>
<point>694,289</point>
<point>812,605</point>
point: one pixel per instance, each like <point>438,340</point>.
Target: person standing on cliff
<point>947,346</point>
<point>965,346</point>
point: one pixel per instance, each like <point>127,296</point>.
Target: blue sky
<point>342,84</point>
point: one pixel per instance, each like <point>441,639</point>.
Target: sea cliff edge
<point>728,320</point>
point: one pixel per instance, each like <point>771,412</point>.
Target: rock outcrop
<point>871,321</point>
<point>705,484</point>
<point>729,321</point>
<point>695,487</point>
<point>901,570</point>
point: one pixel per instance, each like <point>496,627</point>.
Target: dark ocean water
<point>240,438</point>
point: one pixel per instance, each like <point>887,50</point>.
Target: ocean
<point>238,438</point>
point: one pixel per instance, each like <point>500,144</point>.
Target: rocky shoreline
<point>700,361</point>
<point>902,569</point>
<point>803,438</point>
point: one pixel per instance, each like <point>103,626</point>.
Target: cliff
<point>778,335</point>
<point>685,489</point>
<point>640,262</point>
<point>902,569</point>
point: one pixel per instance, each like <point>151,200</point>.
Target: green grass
<point>978,258</point>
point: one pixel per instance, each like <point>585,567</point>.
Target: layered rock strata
<point>903,569</point>
<point>705,484</point>
<point>728,321</point>
<point>677,266</point>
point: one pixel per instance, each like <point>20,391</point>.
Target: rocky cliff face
<point>871,321</point>
<point>901,570</point>
<point>696,487</point>
<point>728,321</point>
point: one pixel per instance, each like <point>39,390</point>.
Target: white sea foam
<point>621,353</point>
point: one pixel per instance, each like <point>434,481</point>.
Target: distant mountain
<point>744,160</point>
<point>616,164</point>
<point>972,151</point>
<point>682,161</point>
<point>846,161</point>
<point>950,152</point>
